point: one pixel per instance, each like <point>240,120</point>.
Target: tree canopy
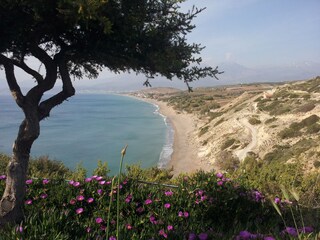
<point>77,39</point>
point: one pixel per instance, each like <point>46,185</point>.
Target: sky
<point>252,33</point>
<point>259,32</point>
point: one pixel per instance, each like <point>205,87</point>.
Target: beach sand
<point>185,157</point>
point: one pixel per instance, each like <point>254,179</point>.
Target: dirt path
<point>242,153</point>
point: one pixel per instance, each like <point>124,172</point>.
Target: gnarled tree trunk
<point>12,202</point>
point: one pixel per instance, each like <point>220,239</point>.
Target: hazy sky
<point>253,33</point>
<point>259,32</point>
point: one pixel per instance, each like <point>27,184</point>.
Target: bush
<point>254,121</point>
<point>289,133</point>
<point>228,143</point>
<point>306,107</point>
<point>227,161</point>
<point>203,130</point>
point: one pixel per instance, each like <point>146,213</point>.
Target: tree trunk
<point>12,202</point>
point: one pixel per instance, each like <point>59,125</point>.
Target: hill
<point>268,121</point>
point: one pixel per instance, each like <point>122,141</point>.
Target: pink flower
<point>28,202</point>
<point>29,181</point>
<point>128,226</point>
<point>71,182</point>
<point>79,210</point>
<point>73,201</point>
<point>180,214</point>
<point>148,201</point>
<point>43,195</point>
<point>162,233</point>
<point>45,181</point>
<point>99,220</point>
<point>186,214</point>
<point>102,182</point>
<point>99,178</point>
<point>170,228</point>
<point>220,183</point>
<point>168,193</point>
<point>88,229</point>
<point>3,177</point>
<point>128,198</point>
<point>219,175</point>
<point>89,179</point>
<point>90,200</point>
<point>76,184</point>
<point>99,191</point>
<point>80,198</point>
<point>167,205</point>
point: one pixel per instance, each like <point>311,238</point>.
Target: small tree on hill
<point>76,39</point>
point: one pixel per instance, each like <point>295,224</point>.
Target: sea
<point>92,127</point>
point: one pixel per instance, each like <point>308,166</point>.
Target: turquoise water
<point>92,127</point>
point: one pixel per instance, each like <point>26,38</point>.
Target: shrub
<point>306,107</point>
<point>289,133</point>
<point>227,143</point>
<point>254,121</point>
<point>227,161</point>
<point>270,120</point>
<point>203,130</point>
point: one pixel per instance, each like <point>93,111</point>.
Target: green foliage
<point>203,130</point>
<point>79,173</point>
<point>282,153</point>
<point>227,161</point>
<point>254,121</point>
<point>227,143</point>
<point>102,169</point>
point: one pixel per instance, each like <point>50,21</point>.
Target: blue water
<point>92,127</point>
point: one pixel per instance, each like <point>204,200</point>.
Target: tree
<point>76,39</point>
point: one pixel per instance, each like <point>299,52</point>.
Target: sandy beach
<point>185,157</point>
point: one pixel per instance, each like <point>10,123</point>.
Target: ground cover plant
<point>198,206</point>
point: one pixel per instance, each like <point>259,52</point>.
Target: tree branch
<point>67,91</point>
<point>28,70</point>
<point>11,80</point>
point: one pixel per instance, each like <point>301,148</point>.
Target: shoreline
<point>184,158</point>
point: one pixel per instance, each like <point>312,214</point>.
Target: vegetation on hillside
<point>153,205</point>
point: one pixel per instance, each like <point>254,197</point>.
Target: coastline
<point>184,158</point>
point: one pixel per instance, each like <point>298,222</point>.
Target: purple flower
<point>192,236</point>
<point>140,210</point>
<point>99,178</point>
<point>128,226</point>
<point>269,238</point>
<point>45,181</point>
<point>244,235</point>
<point>90,200</point>
<point>28,202</point>
<point>76,184</point>
<point>3,177</point>
<point>203,236</point>
<point>43,195</point>
<point>148,201</point>
<point>102,182</point>
<point>180,214</point>
<point>168,193</point>
<point>19,229</point>
<point>72,201</point>
<point>220,183</point>
<point>291,231</point>
<point>153,219</point>
<point>108,183</point>
<point>112,238</point>
<point>186,214</point>
<point>29,181</point>
<point>128,198</point>
<point>89,179</point>
<point>71,182</point>
<point>167,205</point>
<point>99,220</point>
<point>99,191</point>
<point>163,233</point>
<point>79,210</point>
<point>88,229</point>
<point>170,227</point>
<point>306,230</point>
<point>80,198</point>
<point>277,200</point>
<point>219,175</point>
